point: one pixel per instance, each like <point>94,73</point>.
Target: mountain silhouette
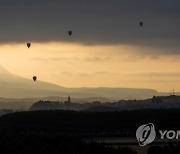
<point>3,71</point>
<point>19,87</point>
<point>13,86</point>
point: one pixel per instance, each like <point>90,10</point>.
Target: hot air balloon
<point>28,45</point>
<point>141,23</point>
<point>70,33</point>
<point>34,78</point>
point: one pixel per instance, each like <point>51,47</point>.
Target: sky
<point>108,48</point>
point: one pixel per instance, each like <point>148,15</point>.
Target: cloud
<point>151,81</point>
<point>161,74</point>
<point>55,59</point>
<point>96,59</point>
<point>86,59</point>
<point>85,74</point>
<point>93,22</point>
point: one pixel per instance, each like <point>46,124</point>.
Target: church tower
<point>69,99</point>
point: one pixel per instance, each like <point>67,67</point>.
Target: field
<point>99,131</point>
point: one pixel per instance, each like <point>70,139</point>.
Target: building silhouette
<point>68,101</point>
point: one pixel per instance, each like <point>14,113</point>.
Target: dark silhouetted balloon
<point>28,45</point>
<point>34,78</point>
<point>70,33</point>
<point>141,23</point>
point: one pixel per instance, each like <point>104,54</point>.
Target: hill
<point>12,86</point>
<point>123,123</point>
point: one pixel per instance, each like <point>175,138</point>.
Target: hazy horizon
<point>6,75</point>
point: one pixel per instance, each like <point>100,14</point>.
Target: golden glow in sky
<point>77,65</point>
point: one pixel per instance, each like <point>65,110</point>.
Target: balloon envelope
<point>70,33</point>
<point>141,23</point>
<point>34,78</point>
<point>28,45</point>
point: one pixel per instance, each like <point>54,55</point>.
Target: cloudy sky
<point>108,48</point>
